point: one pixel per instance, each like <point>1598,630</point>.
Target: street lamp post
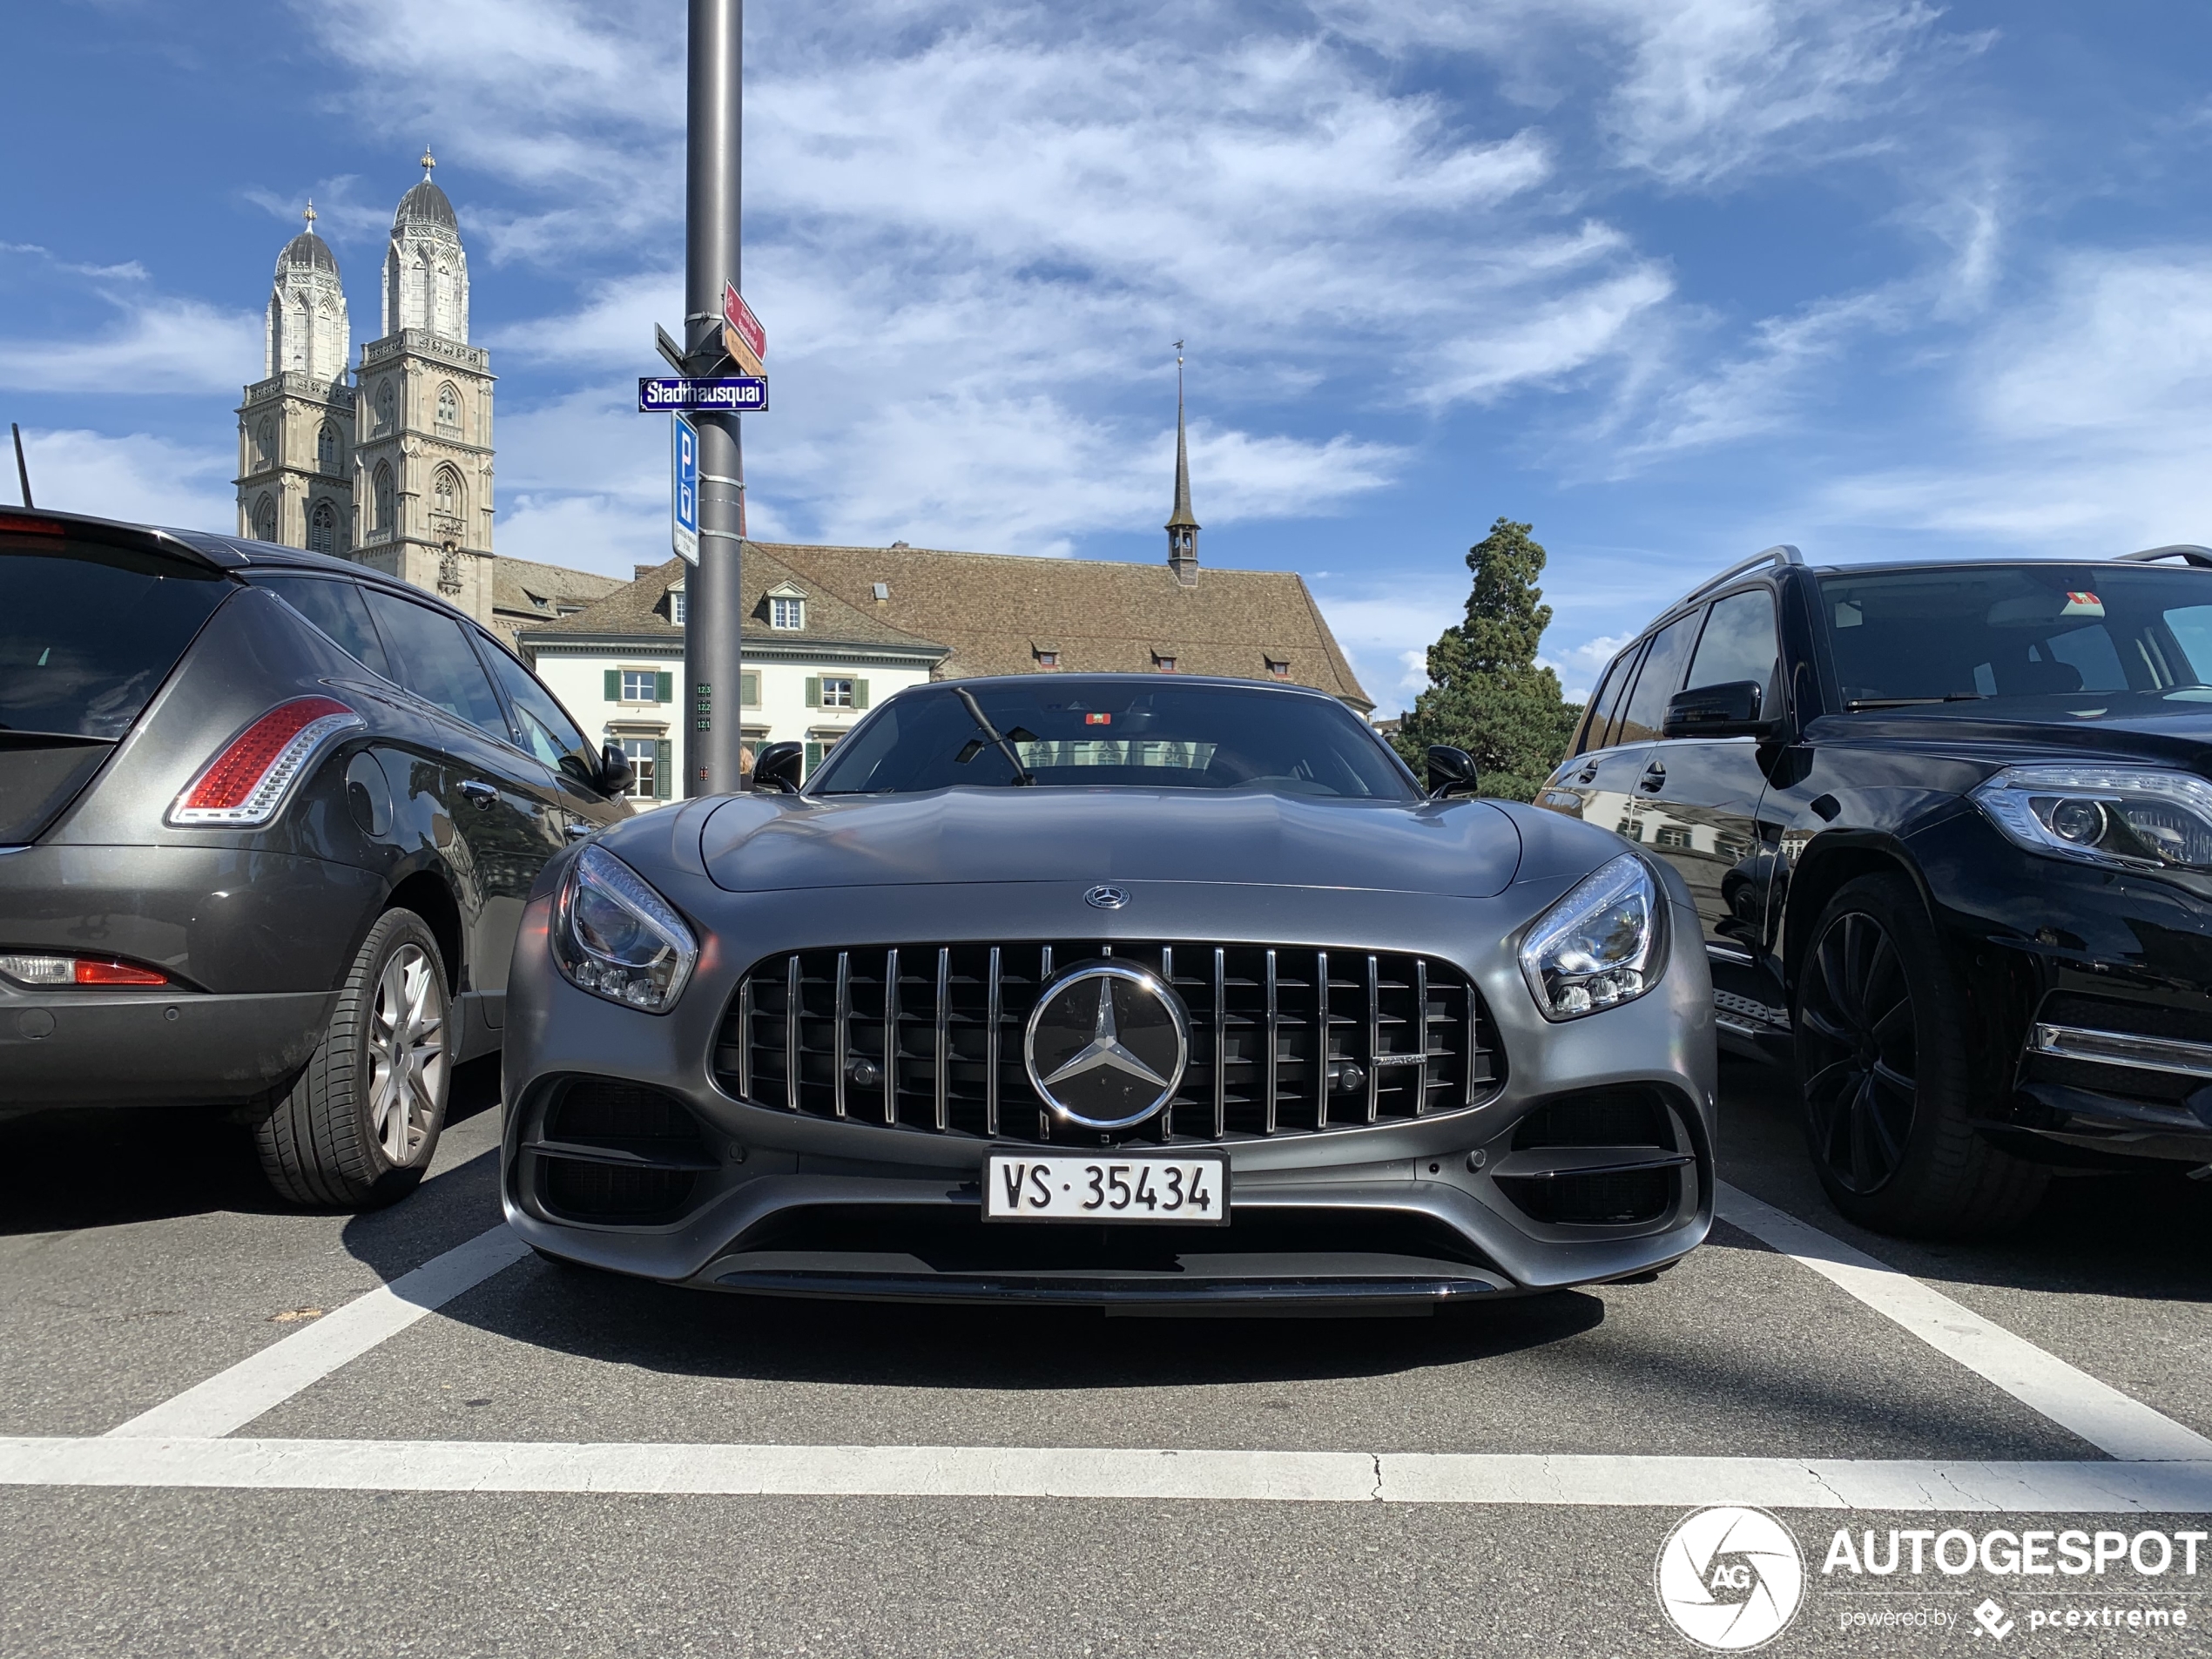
<point>713,645</point>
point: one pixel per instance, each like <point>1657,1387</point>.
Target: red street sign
<point>739,316</point>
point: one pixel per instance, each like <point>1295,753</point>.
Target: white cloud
<point>158,343</point>
<point>139,477</point>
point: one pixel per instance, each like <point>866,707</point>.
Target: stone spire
<point>1182,528</point>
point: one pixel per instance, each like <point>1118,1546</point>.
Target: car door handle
<point>480,794</point>
<point>579,827</point>
<point>1653,778</point>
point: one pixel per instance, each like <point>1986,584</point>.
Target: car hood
<point>762,843</point>
<point>2171,728</point>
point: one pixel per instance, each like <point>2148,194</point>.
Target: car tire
<point>1890,1088</point>
<point>360,1124</point>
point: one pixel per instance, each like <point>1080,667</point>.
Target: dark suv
<point>1949,827</point>
<point>268,821</point>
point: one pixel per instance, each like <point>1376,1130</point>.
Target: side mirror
<point>1451,771</point>
<point>780,766</point>
<point>1730,709</point>
<point>615,774</point>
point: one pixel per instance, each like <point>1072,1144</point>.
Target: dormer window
<point>1047,658</point>
<point>1163,664</point>
<point>786,613</point>
<point>676,597</point>
<point>1277,669</point>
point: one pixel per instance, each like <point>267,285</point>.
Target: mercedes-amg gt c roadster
<point>1144,991</point>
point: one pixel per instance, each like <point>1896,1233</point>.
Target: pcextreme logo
<point>1730,1579</point>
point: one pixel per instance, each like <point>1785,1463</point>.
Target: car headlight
<point>1600,946</point>
<point>2135,817</point>
<point>616,938</point>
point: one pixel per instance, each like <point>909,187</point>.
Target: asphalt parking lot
<point>553,1462</point>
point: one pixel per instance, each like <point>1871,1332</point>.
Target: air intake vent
<point>615,1152</point>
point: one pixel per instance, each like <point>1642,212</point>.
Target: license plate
<point>1081,1186</point>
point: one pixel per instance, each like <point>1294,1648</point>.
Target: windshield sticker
<point>2083,604</point>
<point>1098,719</point>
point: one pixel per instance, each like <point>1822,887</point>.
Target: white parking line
<point>2113,1422</point>
<point>231,1400</point>
<point>1022,1472</point>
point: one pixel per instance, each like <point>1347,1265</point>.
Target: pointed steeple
<point>1182,528</point>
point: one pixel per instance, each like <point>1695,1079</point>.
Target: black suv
<point>268,821</point>
<point>1949,827</point>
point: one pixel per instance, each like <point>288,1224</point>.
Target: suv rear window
<point>1966,634</point>
<point>88,631</point>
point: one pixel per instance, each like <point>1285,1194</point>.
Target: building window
<point>676,606</point>
<point>265,446</point>
<point>322,528</point>
<point>264,527</point>
<point>639,685</point>
<point>1048,659</point>
<point>749,689</point>
<point>385,501</point>
<point>823,692</point>
<point>836,694</point>
<point>786,613</point>
<point>644,767</point>
<point>445,496</point>
<point>387,406</point>
<point>1277,669</point>
<point>448,411</point>
<point>1165,665</point>
<point>326,449</point>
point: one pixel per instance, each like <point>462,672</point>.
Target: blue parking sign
<point>683,501</point>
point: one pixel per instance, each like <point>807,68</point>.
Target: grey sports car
<point>1133,990</point>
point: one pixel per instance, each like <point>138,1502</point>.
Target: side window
<point>435,662</point>
<point>1607,703</point>
<point>2192,630</point>
<point>547,730</point>
<point>336,608</point>
<point>1659,679</point>
<point>1739,642</point>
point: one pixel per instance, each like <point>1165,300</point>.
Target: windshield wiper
<point>1855,705</point>
<point>983,725</point>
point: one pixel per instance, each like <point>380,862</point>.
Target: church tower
<point>295,429</point>
<point>423,473</point>
<point>1182,528</point>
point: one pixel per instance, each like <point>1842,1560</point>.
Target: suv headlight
<point>616,938</point>
<point>2135,817</point>
<point>1600,946</point>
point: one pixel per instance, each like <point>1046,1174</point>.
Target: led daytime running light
<point>1603,945</point>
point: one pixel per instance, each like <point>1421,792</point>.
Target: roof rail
<point>2187,552</point>
<point>1780,554</point>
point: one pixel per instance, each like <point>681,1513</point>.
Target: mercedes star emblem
<point>1107,898</point>
<point>1106,1045</point>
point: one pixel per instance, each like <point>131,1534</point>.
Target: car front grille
<point>1284,1040</point>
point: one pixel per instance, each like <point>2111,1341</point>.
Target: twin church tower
<point>388,462</point>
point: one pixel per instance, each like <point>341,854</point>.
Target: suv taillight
<point>42,970</point>
<point>245,785</point>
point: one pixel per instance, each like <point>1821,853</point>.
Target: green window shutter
<point>814,758</point>
<point>860,694</point>
<point>814,691</point>
<point>663,688</point>
<point>614,686</point>
<point>664,765</point>
<point>749,690</point>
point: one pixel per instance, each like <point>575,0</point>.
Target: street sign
<point>736,395</point>
<point>683,499</point>
<point>738,317</point>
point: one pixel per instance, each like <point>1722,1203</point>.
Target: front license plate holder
<point>1107,1188</point>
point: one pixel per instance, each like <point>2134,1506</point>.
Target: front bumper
<point>1403,1213</point>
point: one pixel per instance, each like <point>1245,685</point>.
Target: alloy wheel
<point>407,1053</point>
<point>1859,1051</point>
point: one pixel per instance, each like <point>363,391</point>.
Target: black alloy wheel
<point>1896,1075</point>
<point>1859,1046</point>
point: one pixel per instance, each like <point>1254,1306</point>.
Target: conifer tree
<point>1486,694</point>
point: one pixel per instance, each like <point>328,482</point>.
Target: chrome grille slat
<point>801,1033</point>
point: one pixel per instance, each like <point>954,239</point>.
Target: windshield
<point>1121,732</point>
<point>88,631</point>
<point>1951,635</point>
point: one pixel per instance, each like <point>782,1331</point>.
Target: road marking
<point>231,1400</point>
<point>2113,1422</point>
<point>1022,1472</point>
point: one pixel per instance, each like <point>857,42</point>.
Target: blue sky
<point>1672,279</point>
